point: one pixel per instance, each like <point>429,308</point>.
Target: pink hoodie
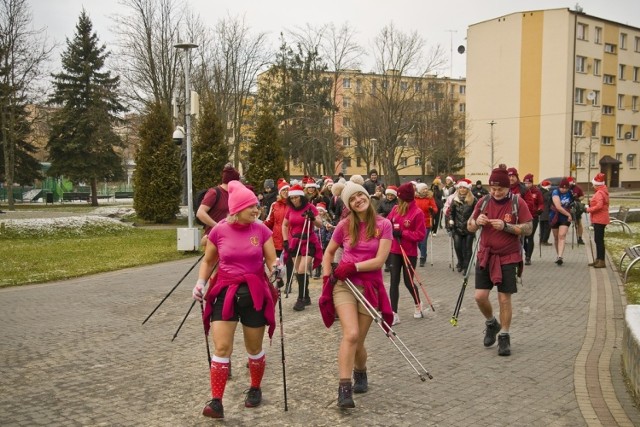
<point>412,227</point>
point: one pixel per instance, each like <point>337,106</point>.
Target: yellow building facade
<point>554,93</point>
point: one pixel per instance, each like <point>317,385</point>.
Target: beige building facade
<point>554,93</point>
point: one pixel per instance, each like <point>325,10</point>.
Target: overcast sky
<point>438,22</point>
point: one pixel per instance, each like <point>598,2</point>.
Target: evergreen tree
<point>266,159</point>
<point>210,153</point>
<point>82,144</point>
<point>157,175</point>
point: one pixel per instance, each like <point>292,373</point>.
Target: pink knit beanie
<point>240,197</point>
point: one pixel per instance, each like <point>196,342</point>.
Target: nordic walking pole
<point>388,331</point>
<point>280,285</point>
<point>172,289</point>
<point>413,275</point>
<point>451,244</point>
<point>287,288</point>
<point>456,310</point>
<point>306,258</point>
<point>206,339</point>
<point>183,320</point>
<point>431,250</point>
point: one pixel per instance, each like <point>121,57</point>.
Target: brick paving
<point>75,353</point>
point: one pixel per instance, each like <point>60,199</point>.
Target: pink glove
<point>345,270</point>
<point>198,290</point>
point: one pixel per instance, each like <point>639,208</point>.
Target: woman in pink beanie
<point>239,291</point>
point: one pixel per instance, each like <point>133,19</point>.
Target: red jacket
<point>412,227</point>
<point>538,201</point>
<point>274,221</point>
<point>599,206</point>
<point>424,204</point>
<point>518,188</point>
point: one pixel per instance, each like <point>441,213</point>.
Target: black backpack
<point>197,201</point>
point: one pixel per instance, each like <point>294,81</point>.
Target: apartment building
<point>555,93</point>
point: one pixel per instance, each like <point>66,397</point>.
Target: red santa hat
<point>282,184</point>
<point>322,207</point>
<point>464,182</point>
<point>327,180</point>
<point>296,190</point>
<point>571,180</point>
<point>309,182</point>
<point>599,180</point>
<point>450,178</point>
<point>392,189</point>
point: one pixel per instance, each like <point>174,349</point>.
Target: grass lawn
<point>616,241</point>
<point>35,260</point>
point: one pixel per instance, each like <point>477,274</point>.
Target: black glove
<point>285,245</point>
<point>309,215</point>
<point>397,234</point>
<point>432,213</point>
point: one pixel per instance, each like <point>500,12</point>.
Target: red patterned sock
<point>256,368</point>
<point>219,375</point>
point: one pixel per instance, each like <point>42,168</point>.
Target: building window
<point>358,86</point>
<point>594,129</point>
<point>417,87</point>
<point>581,64</point>
<point>623,41</point>
<point>578,159</point>
<point>596,66</point>
<point>346,141</point>
<point>346,82</point>
<point>620,102</point>
<point>578,127</point>
<point>619,131</point>
<point>385,84</point>
<point>593,160</point>
<point>404,86</point>
<point>403,162</point>
<point>634,103</point>
<point>579,99</point>
<point>346,121</point>
<point>346,162</point>
<point>461,126</point>
<point>374,86</point>
<point>609,79</point>
<point>417,161</point>
<point>358,162</point>
<point>463,89</point>
<point>610,48</point>
<point>621,69</point>
<point>636,45</point>
<point>582,31</point>
<point>636,73</point>
<point>463,108</point>
<point>631,160</point>
<point>619,158</point>
<point>346,102</point>
<point>634,132</point>
<point>607,109</point>
<point>596,98</point>
<point>607,140</point>
<point>597,38</point>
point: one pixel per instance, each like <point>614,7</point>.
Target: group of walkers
<point>349,231</point>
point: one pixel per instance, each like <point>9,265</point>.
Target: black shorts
<point>243,310</point>
<point>509,279</point>
<point>559,223</point>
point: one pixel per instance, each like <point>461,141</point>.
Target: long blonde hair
<point>354,224</point>
<point>402,207</point>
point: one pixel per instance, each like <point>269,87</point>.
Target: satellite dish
<point>461,49</point>
<point>591,96</point>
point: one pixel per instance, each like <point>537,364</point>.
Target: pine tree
<point>266,159</point>
<point>82,144</point>
<point>210,153</point>
<point>157,175</point>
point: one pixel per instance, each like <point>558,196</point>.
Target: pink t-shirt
<point>365,249</point>
<point>240,246</point>
<point>296,220</point>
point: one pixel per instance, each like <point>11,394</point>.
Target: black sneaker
<point>299,305</point>
<point>422,261</point>
<point>580,241</point>
<point>213,409</point>
<point>559,260</point>
<point>360,382</point>
<point>490,333</point>
<point>527,261</point>
<point>254,397</point>
<point>504,345</point>
<point>307,301</point>
<point>345,396</point>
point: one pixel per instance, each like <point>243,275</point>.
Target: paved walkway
<point>75,353</point>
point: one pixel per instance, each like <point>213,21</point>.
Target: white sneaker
<point>396,319</point>
<point>418,313</point>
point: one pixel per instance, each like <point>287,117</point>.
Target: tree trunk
<point>94,191</point>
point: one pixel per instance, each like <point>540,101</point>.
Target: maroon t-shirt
<point>221,208</point>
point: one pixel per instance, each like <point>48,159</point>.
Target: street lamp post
<point>191,236</point>
<point>373,142</point>
<point>492,123</point>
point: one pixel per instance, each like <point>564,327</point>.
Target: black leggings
<point>397,263</point>
<point>528,240</point>
<point>463,245</point>
<point>598,237</point>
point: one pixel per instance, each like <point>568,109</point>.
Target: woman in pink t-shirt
<point>366,239</point>
<point>239,291</point>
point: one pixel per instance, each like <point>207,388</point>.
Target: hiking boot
<point>307,301</point>
<point>417,314</point>
<point>213,409</point>
<point>345,396</point>
<point>254,397</point>
<point>504,345</point>
<point>360,383</point>
<point>493,327</point>
<point>527,261</point>
<point>559,260</point>
<point>423,261</point>
<point>580,241</point>
<point>396,319</point>
<point>299,305</point>
<point>459,268</point>
<point>591,264</point>
<point>547,244</point>
<point>600,264</point>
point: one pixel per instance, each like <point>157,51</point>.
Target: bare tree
<point>23,54</point>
